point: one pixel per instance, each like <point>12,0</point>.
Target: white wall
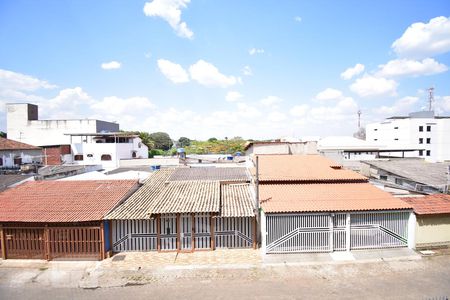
<point>28,157</point>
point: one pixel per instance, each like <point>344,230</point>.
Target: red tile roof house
<point>59,219</point>
<point>433,220</point>
<point>308,203</point>
<point>13,154</point>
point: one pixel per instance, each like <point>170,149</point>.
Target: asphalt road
<point>428,278</point>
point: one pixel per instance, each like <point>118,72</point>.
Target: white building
<point>106,149</point>
<point>23,125</point>
<point>423,132</point>
<point>14,154</point>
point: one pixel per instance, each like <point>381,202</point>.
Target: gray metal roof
<point>8,180</point>
<point>418,170</point>
<point>211,173</point>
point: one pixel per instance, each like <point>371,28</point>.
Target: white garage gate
<point>327,232</point>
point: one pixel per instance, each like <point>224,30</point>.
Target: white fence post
<point>412,231</point>
<point>263,232</point>
<point>347,232</point>
<point>330,224</point>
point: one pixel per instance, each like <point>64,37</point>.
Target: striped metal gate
<point>134,235</point>
<point>202,231</point>
<point>290,233</point>
<point>234,232</point>
<point>186,232</point>
<point>168,232</point>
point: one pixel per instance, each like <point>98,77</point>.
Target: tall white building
<point>423,132</point>
<point>23,125</point>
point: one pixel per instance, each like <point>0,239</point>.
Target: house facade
<point>422,132</point>
<point>13,154</point>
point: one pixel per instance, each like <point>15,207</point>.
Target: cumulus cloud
<point>247,71</point>
<point>403,105</point>
<point>209,75</point>
<point>329,94</point>
<point>112,65</point>
<point>117,107</point>
<point>254,51</point>
<point>276,117</point>
<point>13,81</point>
<point>424,39</point>
<point>408,67</point>
<point>343,110</point>
<point>233,96</point>
<point>372,86</point>
<point>352,71</point>
<point>299,110</point>
<point>170,11</point>
<point>271,101</point>
<point>174,72</point>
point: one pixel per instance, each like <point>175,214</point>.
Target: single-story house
<point>433,220</point>
<point>309,203</point>
<point>59,219</point>
<point>187,209</point>
<point>13,154</point>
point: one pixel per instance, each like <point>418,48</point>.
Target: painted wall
<point>283,148</point>
<point>433,230</point>
<point>28,157</point>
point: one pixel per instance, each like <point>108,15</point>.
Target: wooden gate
<point>134,235</point>
<point>234,232</point>
<point>75,242</point>
<point>25,243</point>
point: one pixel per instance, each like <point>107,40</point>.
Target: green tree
<point>161,140</point>
<point>2,134</point>
<point>184,142</point>
<point>145,137</point>
<point>211,140</point>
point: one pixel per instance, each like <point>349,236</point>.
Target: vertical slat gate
<point>202,234</point>
<point>134,235</point>
<point>234,232</point>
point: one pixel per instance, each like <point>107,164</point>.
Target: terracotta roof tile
<point>309,168</point>
<point>7,144</point>
<point>430,205</point>
<point>62,201</point>
<point>284,198</point>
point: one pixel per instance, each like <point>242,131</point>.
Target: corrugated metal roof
<point>303,168</point>
<point>138,205</point>
<point>188,197</point>
<point>211,173</point>
<point>237,201</point>
<point>62,201</point>
<point>430,205</point>
<point>320,197</point>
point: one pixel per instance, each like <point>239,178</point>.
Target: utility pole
<point>359,119</point>
<point>430,98</point>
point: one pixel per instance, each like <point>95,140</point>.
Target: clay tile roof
<point>6,144</point>
<point>188,197</point>
<point>237,201</point>
<point>138,205</point>
<point>321,197</point>
<point>63,201</point>
<point>430,205</point>
<point>304,168</point>
<point>221,174</point>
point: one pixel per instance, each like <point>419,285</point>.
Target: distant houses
<point>14,154</point>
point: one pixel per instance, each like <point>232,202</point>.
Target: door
<point>202,235</point>
<point>168,232</point>
<point>186,232</point>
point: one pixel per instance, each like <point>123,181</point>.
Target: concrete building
<point>14,154</point>
<point>423,132</point>
<point>106,149</point>
<point>23,125</point>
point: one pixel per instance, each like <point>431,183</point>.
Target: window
<point>420,140</point>
<point>90,155</point>
<point>106,157</point>
<point>1,161</point>
<point>396,127</point>
<point>383,177</point>
<point>428,128</point>
<point>420,128</point>
<point>78,157</point>
<point>420,152</point>
<point>428,140</point>
<point>396,139</point>
<point>375,139</point>
<point>375,129</point>
<point>17,160</point>
<point>428,152</point>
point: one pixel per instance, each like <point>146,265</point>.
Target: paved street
<point>426,278</point>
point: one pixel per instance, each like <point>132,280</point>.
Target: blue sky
<point>256,69</point>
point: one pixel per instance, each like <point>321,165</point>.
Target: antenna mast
<point>430,98</point>
<point>359,119</point>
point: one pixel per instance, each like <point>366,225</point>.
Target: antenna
<point>430,98</point>
<point>359,118</point>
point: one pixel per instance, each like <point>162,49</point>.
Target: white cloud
<point>254,51</point>
<point>112,65</point>
<point>174,72</point>
<point>13,81</point>
<point>271,101</point>
<point>371,86</point>
<point>352,71</point>
<point>403,105</point>
<point>298,19</point>
<point>276,116</point>
<point>233,96</point>
<point>207,74</point>
<point>247,111</point>
<point>116,107</point>
<point>343,110</point>
<point>407,67</point>
<point>299,110</point>
<point>170,11</point>
<point>424,39</point>
<point>329,94</point>
<point>247,71</point>
<point>442,104</point>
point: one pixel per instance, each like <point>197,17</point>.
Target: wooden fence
<point>52,242</point>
